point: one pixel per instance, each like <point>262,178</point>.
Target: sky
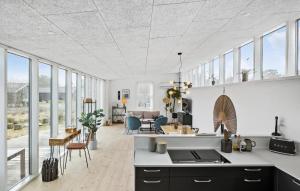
<point>45,70</point>
<point>247,54</point>
<point>229,65</point>
<point>274,50</point>
<point>17,69</point>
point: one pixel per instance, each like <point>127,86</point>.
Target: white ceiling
<point>121,38</point>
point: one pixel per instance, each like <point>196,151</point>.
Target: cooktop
<point>197,156</point>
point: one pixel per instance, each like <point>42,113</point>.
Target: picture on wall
<point>126,93</point>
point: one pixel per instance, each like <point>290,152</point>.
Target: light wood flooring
<point>111,167</point>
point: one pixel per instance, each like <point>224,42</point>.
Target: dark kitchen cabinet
<point>256,178</point>
<point>285,182</point>
<point>152,179</point>
<point>205,179</point>
<point>152,184</point>
<point>221,178</point>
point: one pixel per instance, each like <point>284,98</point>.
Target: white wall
<point>256,103</point>
<point>131,84</point>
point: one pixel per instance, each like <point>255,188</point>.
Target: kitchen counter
<point>258,157</point>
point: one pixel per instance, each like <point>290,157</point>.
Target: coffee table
<point>147,121</point>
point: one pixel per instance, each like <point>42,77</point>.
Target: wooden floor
<point>111,167</point>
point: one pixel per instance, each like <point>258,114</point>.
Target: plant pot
<point>93,142</point>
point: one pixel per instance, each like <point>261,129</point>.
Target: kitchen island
<point>256,170</point>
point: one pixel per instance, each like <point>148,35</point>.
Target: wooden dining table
<point>171,130</point>
<point>61,140</point>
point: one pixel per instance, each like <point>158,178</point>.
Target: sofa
<point>144,114</point>
<point>141,115</point>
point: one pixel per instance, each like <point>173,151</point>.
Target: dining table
<point>171,129</point>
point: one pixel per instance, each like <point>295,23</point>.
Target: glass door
<point>18,109</point>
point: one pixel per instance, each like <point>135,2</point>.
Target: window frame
<point>76,97</point>
<point>240,60</point>
<point>206,66</point>
<point>51,105</point>
<point>231,51</point>
<point>66,94</point>
<point>29,168</point>
<point>217,81</point>
<point>297,47</point>
<point>286,51</point>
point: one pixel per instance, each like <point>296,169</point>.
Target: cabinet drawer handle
<point>256,180</point>
<point>252,169</point>
<point>151,171</point>
<point>202,181</point>
<point>295,182</point>
<point>152,181</point>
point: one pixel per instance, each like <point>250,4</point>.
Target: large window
<point>216,70</point>
<point>74,100</point>
<point>45,74</point>
<point>247,62</point>
<point>298,45</point>
<point>18,128</point>
<point>195,77</point>
<point>82,87</point>
<point>229,67</point>
<point>145,95</point>
<point>199,76</point>
<point>206,74</point>
<point>61,100</point>
<point>274,54</point>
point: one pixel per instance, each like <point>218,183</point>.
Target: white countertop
<point>258,157</point>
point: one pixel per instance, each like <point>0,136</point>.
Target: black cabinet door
<point>255,183</point>
<point>152,184</point>
<point>194,184</point>
<point>286,182</point>
<point>151,172</point>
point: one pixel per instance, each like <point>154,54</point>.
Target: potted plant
<point>173,94</point>
<point>91,121</point>
<point>245,74</point>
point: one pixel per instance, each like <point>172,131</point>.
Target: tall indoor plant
<point>92,121</point>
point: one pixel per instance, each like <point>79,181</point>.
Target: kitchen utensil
<point>226,146</point>
<point>276,127</point>
<point>249,144</point>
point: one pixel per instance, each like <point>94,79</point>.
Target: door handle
<point>252,169</point>
<point>151,171</point>
<point>249,180</point>
<point>202,181</point>
<point>295,182</point>
<point>152,181</point>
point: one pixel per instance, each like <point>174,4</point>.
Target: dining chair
<point>158,122</point>
<point>133,123</point>
<point>79,146</point>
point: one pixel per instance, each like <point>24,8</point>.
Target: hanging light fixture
<point>182,87</point>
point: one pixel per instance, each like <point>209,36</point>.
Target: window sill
<point>251,82</point>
